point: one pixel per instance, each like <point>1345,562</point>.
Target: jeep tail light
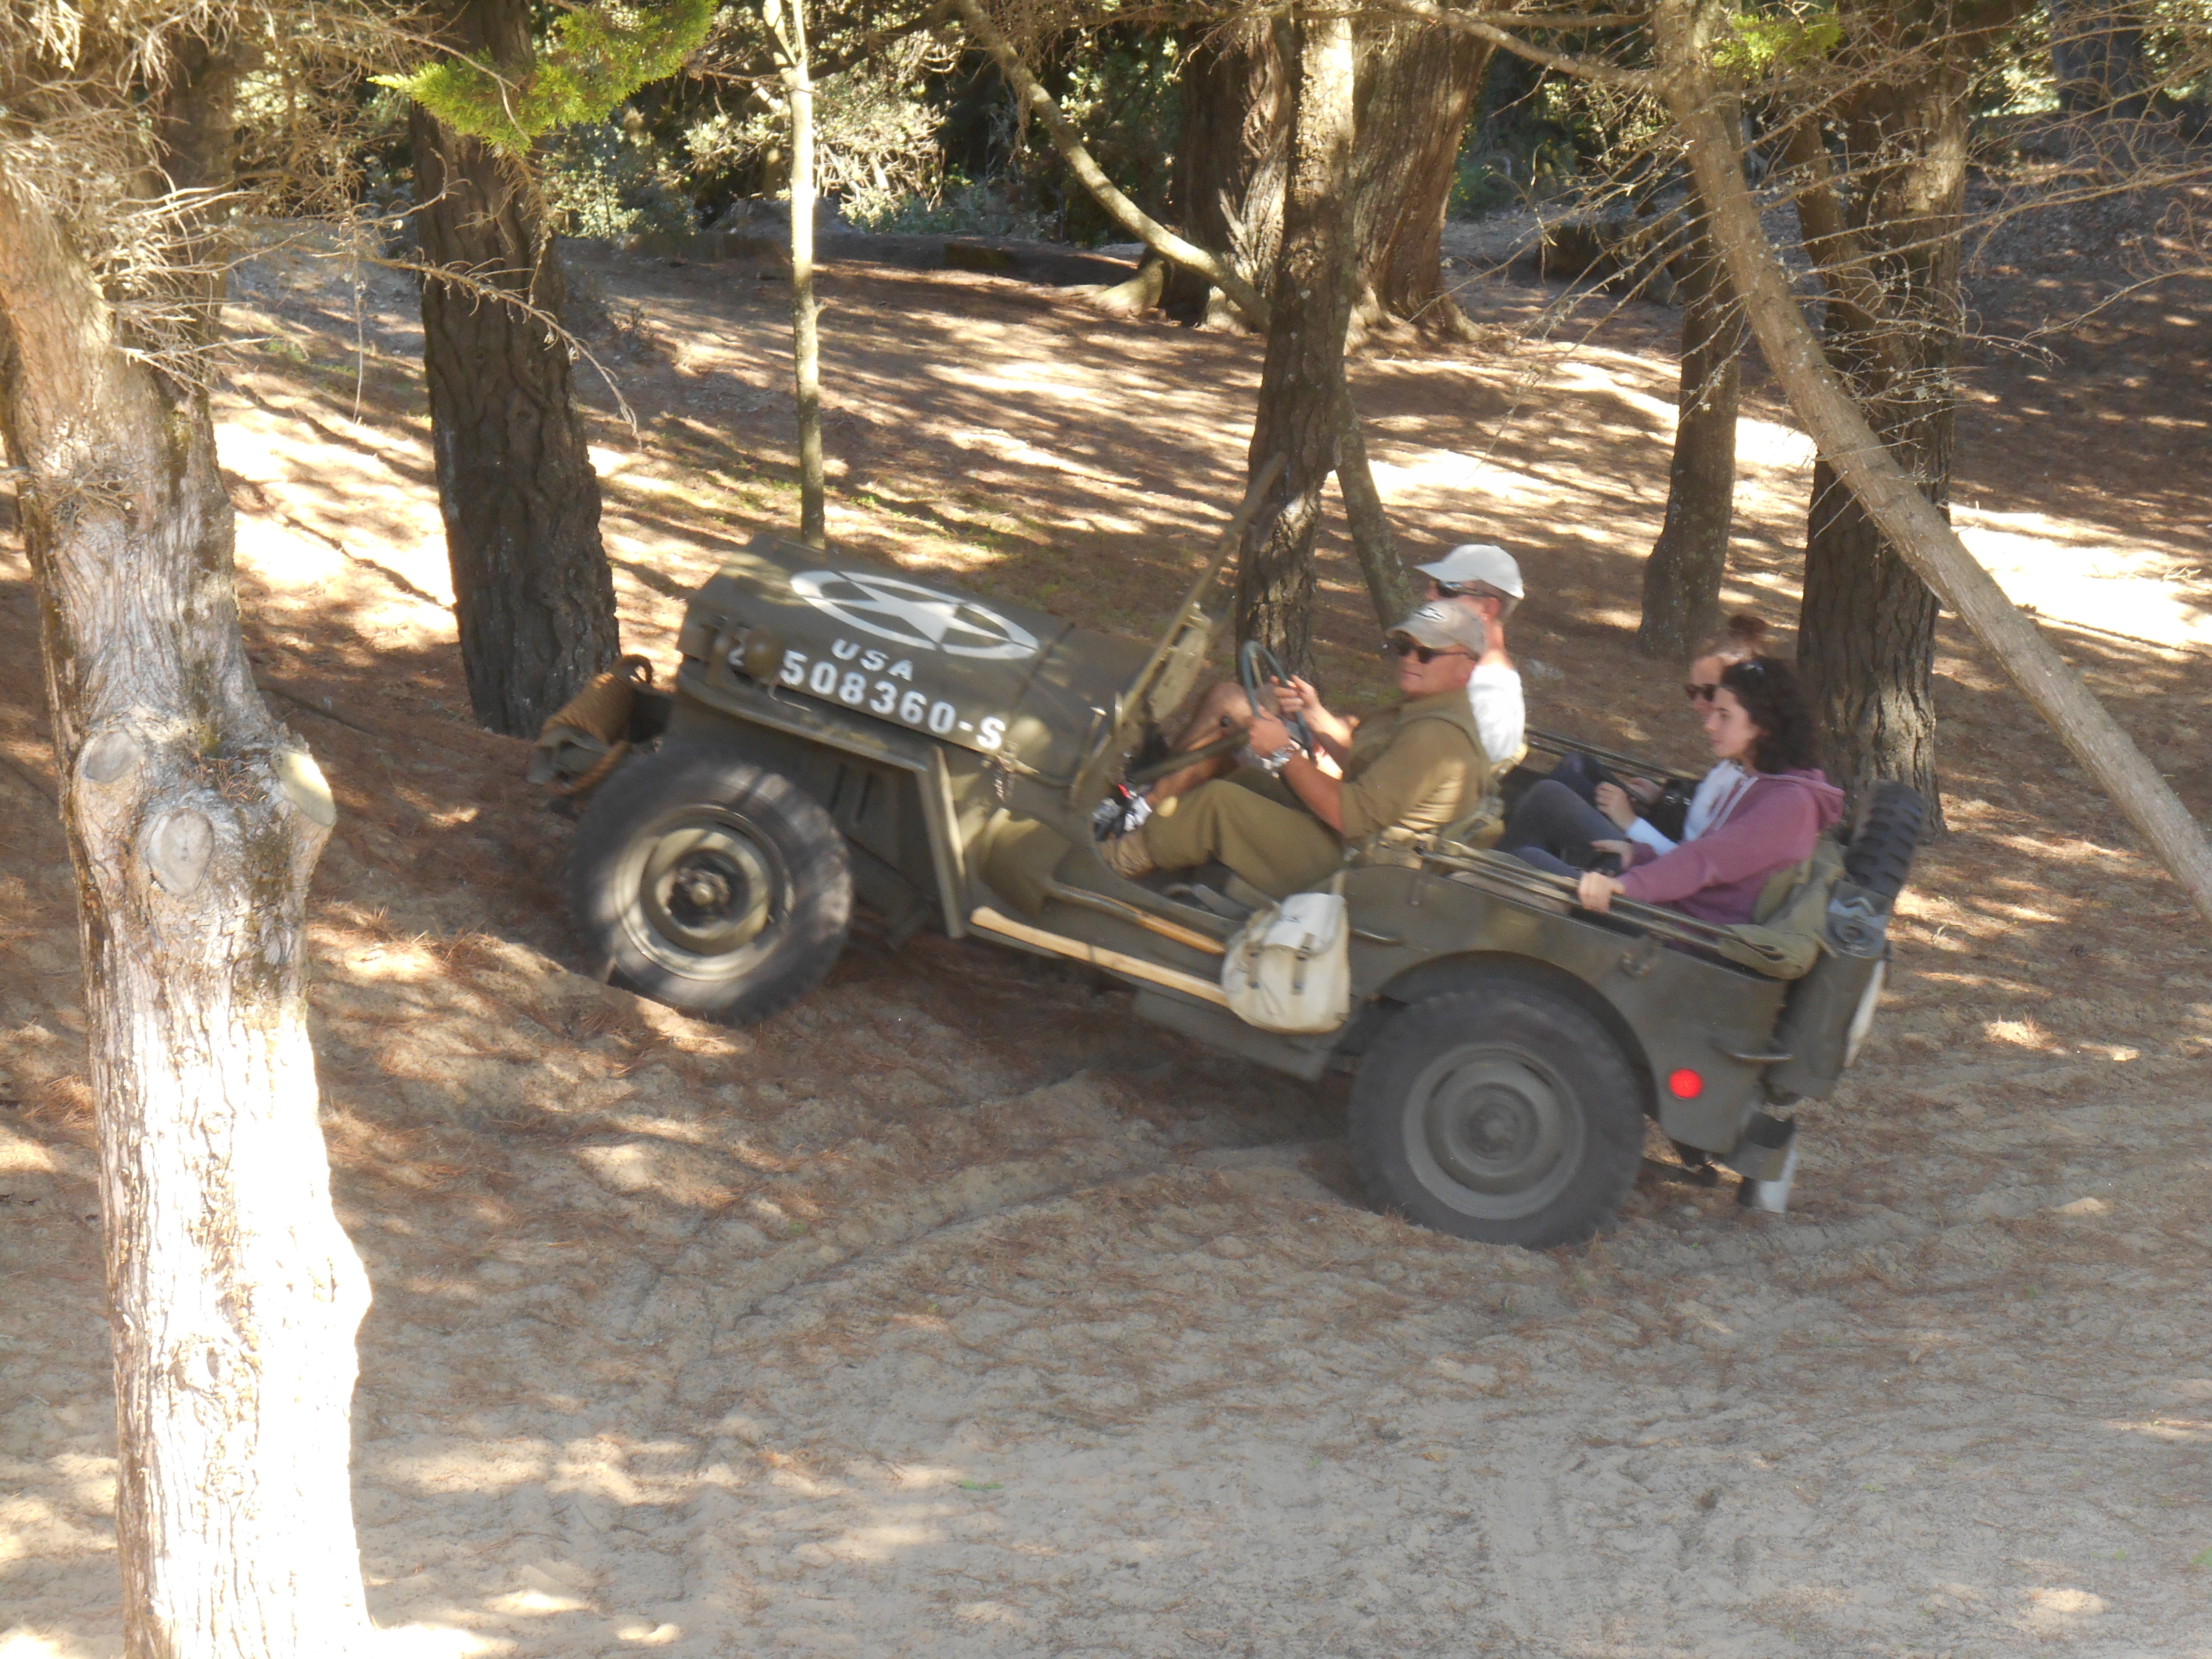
<point>1684,1084</point>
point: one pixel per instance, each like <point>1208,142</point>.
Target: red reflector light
<point>1685,1083</point>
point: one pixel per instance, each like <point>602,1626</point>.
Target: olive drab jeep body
<point>837,729</point>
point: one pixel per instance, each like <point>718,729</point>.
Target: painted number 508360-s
<point>886,697</point>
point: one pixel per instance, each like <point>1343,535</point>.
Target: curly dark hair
<point>1767,688</point>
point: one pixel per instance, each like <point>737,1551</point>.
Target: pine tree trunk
<point>805,335</point>
<point>1682,576</point>
<point>1866,636</point>
<point>1303,377</point>
<point>1414,91</point>
<point>533,592</point>
<point>193,822</point>
<point>1229,159</point>
<point>1417,88</point>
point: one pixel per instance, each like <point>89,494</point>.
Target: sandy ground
<point>953,1312</point>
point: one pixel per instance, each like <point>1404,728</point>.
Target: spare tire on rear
<point>712,884</point>
<point>1880,855</point>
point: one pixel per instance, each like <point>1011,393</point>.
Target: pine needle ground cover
<point>952,1302</point>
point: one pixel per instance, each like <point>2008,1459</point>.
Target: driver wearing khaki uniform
<point>1417,767</point>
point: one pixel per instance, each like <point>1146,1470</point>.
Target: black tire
<point>1506,1113</point>
<point>710,884</point>
<point>1880,856</point>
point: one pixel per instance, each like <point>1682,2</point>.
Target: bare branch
<point>1125,212</point>
<point>1476,24</point>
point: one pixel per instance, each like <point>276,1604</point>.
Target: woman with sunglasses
<point>1583,812</point>
<point>1756,717</point>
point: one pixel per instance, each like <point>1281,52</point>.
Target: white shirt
<point>1501,713</point>
<point>1717,792</point>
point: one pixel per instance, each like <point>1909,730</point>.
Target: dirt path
<point>954,1312</point>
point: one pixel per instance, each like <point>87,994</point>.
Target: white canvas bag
<point>1289,969</point>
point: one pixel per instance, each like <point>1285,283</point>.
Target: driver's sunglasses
<point>1403,648</point>
<point>1700,691</point>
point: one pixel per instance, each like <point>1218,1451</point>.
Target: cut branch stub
<point>111,757</point>
<point>304,784</point>
<point>178,847</point>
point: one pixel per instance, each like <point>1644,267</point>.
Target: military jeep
<point>837,729</point>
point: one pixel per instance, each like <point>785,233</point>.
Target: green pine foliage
<point>594,57</point>
<point>1791,36</point>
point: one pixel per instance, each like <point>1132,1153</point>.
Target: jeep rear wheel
<point>710,884</point>
<point>1506,1114</point>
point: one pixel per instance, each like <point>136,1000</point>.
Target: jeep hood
<point>988,675</point>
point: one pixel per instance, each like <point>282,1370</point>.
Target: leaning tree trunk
<point>531,589</point>
<point>1418,87</point>
<point>1684,33</point>
<point>1682,576</point>
<point>1866,636</point>
<point>193,821</point>
<point>1302,401</point>
<point>1229,161</point>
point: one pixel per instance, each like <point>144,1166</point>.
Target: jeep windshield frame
<point>1131,707</point>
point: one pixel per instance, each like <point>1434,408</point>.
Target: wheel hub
<point>707,887</point>
<point>1498,1135</point>
<point>705,892</point>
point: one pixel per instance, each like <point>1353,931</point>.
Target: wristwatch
<point>1272,764</point>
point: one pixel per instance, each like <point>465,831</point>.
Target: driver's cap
<point>1477,561</point>
<point>1441,625</point>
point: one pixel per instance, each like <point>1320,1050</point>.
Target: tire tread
<point>1614,1141</point>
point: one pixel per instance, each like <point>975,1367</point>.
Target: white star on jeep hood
<point>913,615</point>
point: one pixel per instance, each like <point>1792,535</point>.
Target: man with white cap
<point>1486,579</point>
<point>1476,577</point>
<point>1418,767</point>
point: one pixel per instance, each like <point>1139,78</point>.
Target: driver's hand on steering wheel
<point>1265,735</point>
<point>1297,696</point>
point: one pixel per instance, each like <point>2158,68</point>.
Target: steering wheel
<point>1256,662</point>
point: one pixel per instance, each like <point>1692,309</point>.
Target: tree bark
<point>532,592</point>
<point>1300,416</point>
<point>1682,576</point>
<point>1230,157</point>
<point>1417,88</point>
<point>1390,590</point>
<point>194,822</point>
<point>805,336</point>
<point>1867,630</point>
<point>1920,534</point>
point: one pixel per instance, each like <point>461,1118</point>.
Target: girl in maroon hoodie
<point>1758,718</point>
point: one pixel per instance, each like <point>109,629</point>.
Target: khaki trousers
<point>1279,849</point>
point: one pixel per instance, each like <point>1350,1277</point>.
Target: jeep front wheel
<point>710,884</point>
<point>1506,1114</point>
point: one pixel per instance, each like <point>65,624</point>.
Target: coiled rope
<point>601,710</point>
